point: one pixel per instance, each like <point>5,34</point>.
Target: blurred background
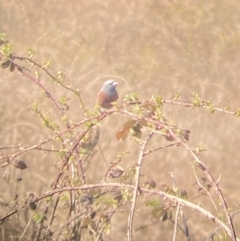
<point>150,47</point>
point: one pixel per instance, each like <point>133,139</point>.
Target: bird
<point>107,94</point>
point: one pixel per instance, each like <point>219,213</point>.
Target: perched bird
<point>107,94</point>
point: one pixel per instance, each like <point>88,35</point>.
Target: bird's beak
<point>115,83</point>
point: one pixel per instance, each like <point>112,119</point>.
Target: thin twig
<point>136,185</point>
<point>176,223</point>
<point>206,191</point>
<point>160,147</point>
<point>201,105</point>
<point>179,209</point>
<point>186,229</point>
<point>26,74</point>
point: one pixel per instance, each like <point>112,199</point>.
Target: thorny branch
<point>136,185</point>
<point>156,193</point>
<point>201,165</point>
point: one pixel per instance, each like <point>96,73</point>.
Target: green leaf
<point>136,130</point>
<point>5,64</point>
<point>12,67</point>
<point>6,49</point>
<point>31,53</point>
<point>152,203</point>
<point>38,218</point>
<point>176,96</point>
<point>116,172</point>
<point>158,212</point>
<point>20,164</point>
<point>165,216</point>
<point>237,113</point>
<point>33,206</point>
<point>131,97</point>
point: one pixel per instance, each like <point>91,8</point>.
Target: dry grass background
<point>150,47</point>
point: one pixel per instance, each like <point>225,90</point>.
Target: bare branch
<point>136,185</point>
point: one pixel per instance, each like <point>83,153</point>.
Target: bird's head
<point>109,86</point>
